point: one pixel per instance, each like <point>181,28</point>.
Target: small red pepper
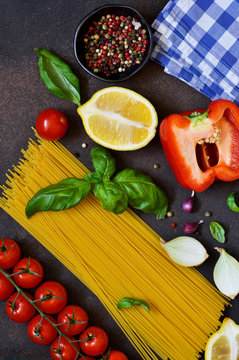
<point>202,146</point>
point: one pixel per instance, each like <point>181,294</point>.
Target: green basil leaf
<point>128,302</point>
<point>142,193</point>
<point>217,231</point>
<point>231,202</point>
<point>58,76</point>
<point>103,162</point>
<point>63,195</point>
<point>142,303</point>
<point>112,197</point>
<point>93,178</point>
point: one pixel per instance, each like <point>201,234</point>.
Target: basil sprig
<point>128,302</point>
<point>231,202</point>
<point>58,76</point>
<point>129,186</point>
<point>217,231</point>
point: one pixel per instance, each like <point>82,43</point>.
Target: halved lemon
<point>224,344</point>
<point>119,119</point>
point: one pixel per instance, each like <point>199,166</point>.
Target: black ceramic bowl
<point>79,45</point>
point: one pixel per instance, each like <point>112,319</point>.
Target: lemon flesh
<point>119,119</point>
<point>224,344</point>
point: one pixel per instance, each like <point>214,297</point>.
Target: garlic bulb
<point>185,251</point>
<point>226,274</point>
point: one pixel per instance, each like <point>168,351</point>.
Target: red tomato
<point>98,344</point>
<point>41,331</point>
<point>6,288</point>
<point>71,315</point>
<point>10,253</point>
<point>86,358</point>
<point>53,297</point>
<point>21,310</point>
<point>31,273</point>
<point>65,351</point>
<point>51,124</point>
<point>115,355</point>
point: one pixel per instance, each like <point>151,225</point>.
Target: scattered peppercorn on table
<point>51,25</point>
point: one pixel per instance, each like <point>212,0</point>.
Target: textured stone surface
<point>50,24</point>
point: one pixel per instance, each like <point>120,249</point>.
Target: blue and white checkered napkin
<point>198,42</point>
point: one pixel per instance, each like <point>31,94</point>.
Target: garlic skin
<point>185,251</point>
<point>226,274</point>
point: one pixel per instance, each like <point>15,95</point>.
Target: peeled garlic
<point>226,274</point>
<point>185,251</point>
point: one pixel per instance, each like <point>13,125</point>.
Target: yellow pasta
<point>117,256</point>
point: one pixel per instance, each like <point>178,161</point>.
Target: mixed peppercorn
<point>115,43</point>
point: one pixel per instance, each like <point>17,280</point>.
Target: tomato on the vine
<point>115,355</point>
<point>74,320</point>
<point>51,296</point>
<point>10,253</point>
<point>41,331</point>
<point>51,124</point>
<point>6,287</point>
<point>30,273</point>
<point>19,309</point>
<point>98,344</point>
<point>63,350</point>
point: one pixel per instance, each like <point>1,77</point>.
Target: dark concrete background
<point>50,24</point>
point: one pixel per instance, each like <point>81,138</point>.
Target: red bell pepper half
<point>202,146</point>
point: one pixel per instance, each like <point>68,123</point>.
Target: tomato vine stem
<point>61,334</point>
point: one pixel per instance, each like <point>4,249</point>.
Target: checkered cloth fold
<point>198,42</point>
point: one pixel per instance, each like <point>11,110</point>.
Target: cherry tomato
<point>6,288</point>
<point>53,297</point>
<point>51,124</point>
<point>115,355</point>
<point>86,358</point>
<point>98,344</point>
<point>63,350</point>
<point>41,331</point>
<point>10,253</point>
<point>19,309</point>
<point>71,315</point>
<point>30,273</point>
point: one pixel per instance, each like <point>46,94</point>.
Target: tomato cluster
<point>50,298</point>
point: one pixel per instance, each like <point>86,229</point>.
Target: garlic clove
<point>226,274</point>
<point>185,251</point>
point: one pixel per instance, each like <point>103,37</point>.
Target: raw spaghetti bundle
<point>117,256</point>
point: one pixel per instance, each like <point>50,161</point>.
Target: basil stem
<point>58,76</point>
<point>217,231</point>
<point>93,178</point>
<point>103,162</point>
<point>231,202</point>
<point>142,193</point>
<point>63,195</point>
<point>128,302</point>
<point>112,197</point>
